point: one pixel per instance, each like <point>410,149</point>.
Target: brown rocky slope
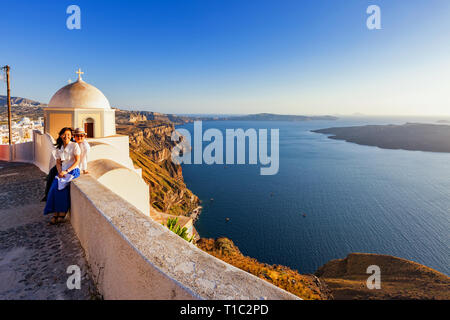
<point>150,149</point>
<point>305,286</point>
<point>400,278</point>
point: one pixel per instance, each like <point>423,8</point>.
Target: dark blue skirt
<point>59,200</point>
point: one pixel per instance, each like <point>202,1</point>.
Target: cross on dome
<point>79,72</point>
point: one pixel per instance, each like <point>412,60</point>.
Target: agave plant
<point>172,224</point>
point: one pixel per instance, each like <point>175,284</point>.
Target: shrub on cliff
<point>172,224</point>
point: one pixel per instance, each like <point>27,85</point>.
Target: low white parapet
<point>43,151</point>
<point>120,142</point>
<point>133,257</point>
<point>19,152</point>
<point>113,147</point>
<point>5,152</point>
<point>123,182</point>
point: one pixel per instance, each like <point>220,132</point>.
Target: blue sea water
<point>356,199</point>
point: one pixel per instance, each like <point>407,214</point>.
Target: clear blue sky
<point>236,56</point>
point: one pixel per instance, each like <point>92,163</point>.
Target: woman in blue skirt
<point>67,161</point>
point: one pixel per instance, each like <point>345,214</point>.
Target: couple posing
<point>71,157</point>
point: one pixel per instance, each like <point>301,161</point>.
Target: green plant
<point>172,224</point>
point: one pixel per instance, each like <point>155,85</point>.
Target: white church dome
<point>79,95</point>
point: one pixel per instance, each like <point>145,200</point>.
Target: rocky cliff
<point>305,286</point>
<point>150,149</point>
<point>400,278</point>
<point>342,279</point>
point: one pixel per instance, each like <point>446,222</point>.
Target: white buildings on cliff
<point>22,130</point>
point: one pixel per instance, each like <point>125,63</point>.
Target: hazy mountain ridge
<point>124,116</point>
<point>19,101</point>
<point>271,117</point>
<point>21,107</point>
<point>25,107</point>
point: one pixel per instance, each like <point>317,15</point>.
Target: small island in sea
<point>409,136</point>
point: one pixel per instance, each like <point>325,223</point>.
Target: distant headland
<point>24,107</point>
<point>409,136</point>
<point>271,117</point>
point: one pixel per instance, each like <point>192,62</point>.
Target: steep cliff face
<point>153,141</point>
<point>150,149</point>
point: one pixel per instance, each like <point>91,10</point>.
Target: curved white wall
<point>122,181</point>
<point>100,150</point>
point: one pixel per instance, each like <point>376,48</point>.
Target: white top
<point>85,147</point>
<point>67,154</point>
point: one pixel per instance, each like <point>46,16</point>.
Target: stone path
<point>34,256</point>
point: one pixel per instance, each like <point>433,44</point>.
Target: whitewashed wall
<point>20,152</point>
<point>43,149</point>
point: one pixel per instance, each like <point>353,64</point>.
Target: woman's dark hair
<point>59,142</point>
